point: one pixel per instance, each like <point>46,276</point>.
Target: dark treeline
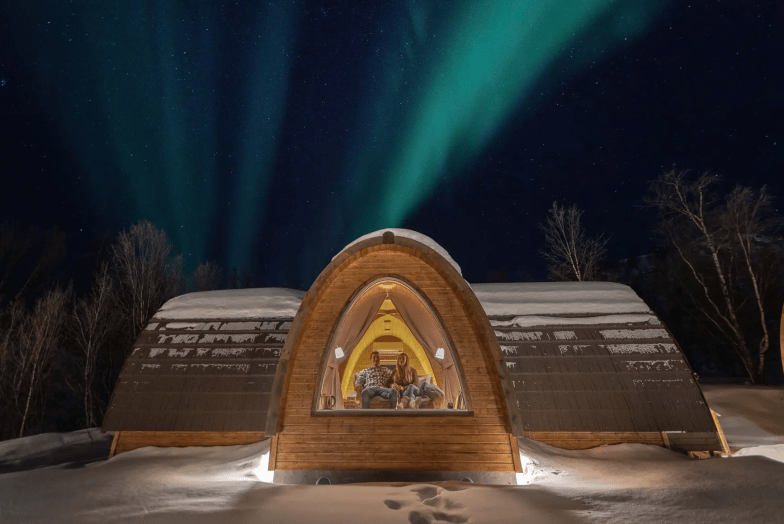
<point>716,280</point>
<point>61,352</point>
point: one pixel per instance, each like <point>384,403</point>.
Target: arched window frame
<point>465,412</point>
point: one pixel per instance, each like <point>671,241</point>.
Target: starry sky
<point>267,136</point>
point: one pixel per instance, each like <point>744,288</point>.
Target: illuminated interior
<point>377,321</point>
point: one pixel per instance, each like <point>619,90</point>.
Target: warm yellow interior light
<point>398,329</point>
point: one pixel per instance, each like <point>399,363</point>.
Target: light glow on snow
<point>65,478</point>
<point>530,470</point>
<point>262,471</point>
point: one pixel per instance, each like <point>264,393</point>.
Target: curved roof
<point>413,235</point>
<point>498,300</point>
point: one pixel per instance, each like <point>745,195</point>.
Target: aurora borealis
<point>268,136</point>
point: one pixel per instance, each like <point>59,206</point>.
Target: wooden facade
<point>579,380</point>
<point>474,440</point>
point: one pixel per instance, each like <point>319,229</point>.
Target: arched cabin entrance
<point>391,294</point>
<point>389,317</point>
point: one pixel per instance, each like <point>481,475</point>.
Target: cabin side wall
<point>308,441</point>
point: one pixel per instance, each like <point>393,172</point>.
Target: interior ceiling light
<point>440,353</point>
<point>339,353</point>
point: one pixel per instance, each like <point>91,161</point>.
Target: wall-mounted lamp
<point>440,353</point>
<point>339,353</point>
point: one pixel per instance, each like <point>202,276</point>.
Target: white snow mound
<point>268,302</point>
<point>413,235</point>
<point>558,298</point>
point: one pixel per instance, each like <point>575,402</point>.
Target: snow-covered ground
<point>62,478</point>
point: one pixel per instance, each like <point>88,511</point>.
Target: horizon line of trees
<point>717,281</point>
<point>60,354</point>
<point>725,253</point>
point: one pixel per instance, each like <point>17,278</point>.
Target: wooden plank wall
<point>593,439</point>
<point>129,440</point>
<point>446,443</point>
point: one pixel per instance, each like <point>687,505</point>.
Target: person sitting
<point>406,380</point>
<point>375,381</point>
<point>431,391</point>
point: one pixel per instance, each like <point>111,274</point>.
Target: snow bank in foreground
<point>774,452</point>
<point>413,235</point>
<point>617,484</point>
<point>20,448</point>
<point>50,449</point>
<point>272,302</point>
<point>751,416</point>
<point>558,298</point>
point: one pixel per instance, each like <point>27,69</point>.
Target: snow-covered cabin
<point>572,364</point>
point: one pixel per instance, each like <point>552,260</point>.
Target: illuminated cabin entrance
<point>389,317</point>
<point>393,294</point>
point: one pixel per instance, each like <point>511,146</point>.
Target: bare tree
<point>710,239</point>
<point>11,318</point>
<point>39,337</point>
<point>241,278</point>
<point>208,276</point>
<point>570,254</point>
<point>91,325</point>
<point>174,280</point>
<point>748,219</point>
<point>145,279</point>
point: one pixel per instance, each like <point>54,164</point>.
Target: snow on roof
<point>270,302</point>
<point>413,235</point>
<point>526,321</point>
<point>512,299</point>
<point>558,298</point>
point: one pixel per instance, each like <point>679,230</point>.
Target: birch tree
<point>748,219</point>
<point>91,325</point>
<point>39,338</point>
<point>570,253</point>
<point>715,242</point>
<point>145,274</point>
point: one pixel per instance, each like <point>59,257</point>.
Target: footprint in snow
<point>431,517</point>
<point>426,492</point>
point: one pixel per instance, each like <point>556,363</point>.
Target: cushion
<point>425,379</point>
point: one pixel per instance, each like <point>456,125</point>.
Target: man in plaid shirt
<point>375,381</point>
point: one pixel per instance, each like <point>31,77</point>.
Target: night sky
<point>269,135</point>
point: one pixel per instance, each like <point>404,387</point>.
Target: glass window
<point>390,353</point>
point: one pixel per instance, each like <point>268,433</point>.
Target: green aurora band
<point>495,53</point>
<point>139,91</point>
